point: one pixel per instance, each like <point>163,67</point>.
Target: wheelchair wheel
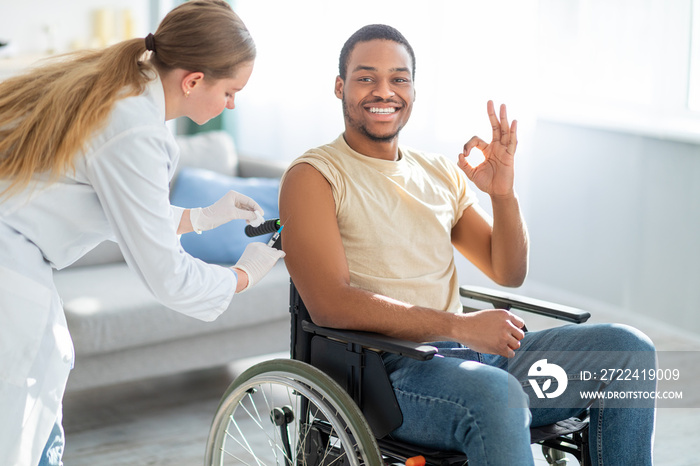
<point>554,457</point>
<point>286,412</point>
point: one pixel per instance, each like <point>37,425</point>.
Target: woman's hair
<point>48,114</point>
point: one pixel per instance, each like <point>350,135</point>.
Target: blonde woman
<point>85,156</point>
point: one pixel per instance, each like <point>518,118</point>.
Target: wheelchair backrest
<point>357,369</point>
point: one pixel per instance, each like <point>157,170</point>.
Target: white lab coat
<point>119,191</point>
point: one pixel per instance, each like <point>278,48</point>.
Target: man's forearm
<point>509,241</point>
<point>349,307</point>
<point>489,331</point>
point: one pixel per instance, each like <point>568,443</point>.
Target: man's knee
<point>627,350</point>
<point>626,338</point>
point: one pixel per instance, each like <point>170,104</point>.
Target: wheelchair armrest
<point>375,341</point>
<point>503,300</point>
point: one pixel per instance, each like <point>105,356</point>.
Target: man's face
<point>377,92</point>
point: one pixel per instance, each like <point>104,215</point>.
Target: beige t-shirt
<point>395,220</point>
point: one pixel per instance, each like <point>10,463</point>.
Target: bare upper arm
<point>471,236</point>
<point>315,256</point>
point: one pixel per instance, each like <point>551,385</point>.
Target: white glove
<point>230,207</point>
<point>257,260</point>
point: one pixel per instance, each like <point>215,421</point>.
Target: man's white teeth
<point>382,110</point>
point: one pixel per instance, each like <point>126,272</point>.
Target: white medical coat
<point>119,191</point>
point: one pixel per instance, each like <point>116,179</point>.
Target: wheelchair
<point>332,403</point>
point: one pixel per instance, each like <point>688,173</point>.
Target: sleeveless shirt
<point>395,220</point>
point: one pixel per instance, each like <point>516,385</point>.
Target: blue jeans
<point>484,405</point>
<point>53,451</point>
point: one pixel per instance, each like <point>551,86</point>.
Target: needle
<point>275,237</point>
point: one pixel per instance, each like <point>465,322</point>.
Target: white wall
<point>617,217</point>
<point>614,220</point>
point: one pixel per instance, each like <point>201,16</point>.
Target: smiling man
<point>369,233</point>
<point>377,101</point>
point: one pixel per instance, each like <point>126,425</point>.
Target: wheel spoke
<point>246,446</point>
<point>256,418</point>
<point>321,422</point>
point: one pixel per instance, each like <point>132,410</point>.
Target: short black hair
<point>373,32</point>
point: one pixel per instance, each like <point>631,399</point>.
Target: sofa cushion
<point>212,150</point>
<point>197,187</point>
<point>109,309</point>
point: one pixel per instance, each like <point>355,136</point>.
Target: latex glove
<point>256,261</point>
<point>230,207</point>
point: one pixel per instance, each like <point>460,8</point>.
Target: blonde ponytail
<point>48,114</point>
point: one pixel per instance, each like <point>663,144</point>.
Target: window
<point>620,65</point>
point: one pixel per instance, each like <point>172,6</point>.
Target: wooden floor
<point>165,421</point>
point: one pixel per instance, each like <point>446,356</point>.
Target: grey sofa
<point>121,333</point>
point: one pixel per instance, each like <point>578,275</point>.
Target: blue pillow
<point>196,187</point>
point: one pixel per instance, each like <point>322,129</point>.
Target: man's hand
<point>493,331</point>
<point>495,174</point>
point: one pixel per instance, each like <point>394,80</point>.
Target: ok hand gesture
<point>496,174</point>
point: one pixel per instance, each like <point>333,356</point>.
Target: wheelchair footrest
<point>401,451</point>
<point>565,427</point>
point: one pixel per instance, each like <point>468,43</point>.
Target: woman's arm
<point>185,225</point>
